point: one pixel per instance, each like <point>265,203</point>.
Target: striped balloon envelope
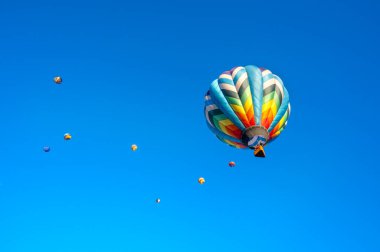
<point>247,107</point>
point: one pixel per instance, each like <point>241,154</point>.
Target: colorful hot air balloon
<point>67,136</point>
<point>247,107</point>
<point>231,164</point>
<point>134,147</point>
<point>201,180</point>
<point>58,80</point>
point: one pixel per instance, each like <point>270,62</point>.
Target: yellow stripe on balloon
<point>248,107</point>
<point>239,111</point>
<point>229,128</point>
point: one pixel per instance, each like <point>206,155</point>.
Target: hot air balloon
<point>201,180</point>
<point>158,200</point>
<point>134,147</point>
<point>67,136</point>
<point>247,107</point>
<point>46,149</point>
<point>58,80</point>
<point>231,164</point>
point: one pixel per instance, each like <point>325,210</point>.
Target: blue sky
<point>136,73</point>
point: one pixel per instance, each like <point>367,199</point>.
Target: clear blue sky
<point>136,72</point>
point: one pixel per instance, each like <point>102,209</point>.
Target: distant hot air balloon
<point>67,136</point>
<point>58,80</point>
<point>231,164</point>
<point>46,149</point>
<point>201,180</point>
<point>247,107</point>
<point>134,147</point>
<point>158,200</point>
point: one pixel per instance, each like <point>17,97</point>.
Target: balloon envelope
<point>67,136</point>
<point>247,107</point>
<point>58,80</point>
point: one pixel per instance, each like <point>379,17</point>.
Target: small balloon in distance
<point>201,180</point>
<point>57,80</point>
<point>67,136</point>
<point>46,149</point>
<point>158,200</point>
<point>134,147</point>
<point>232,164</point>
